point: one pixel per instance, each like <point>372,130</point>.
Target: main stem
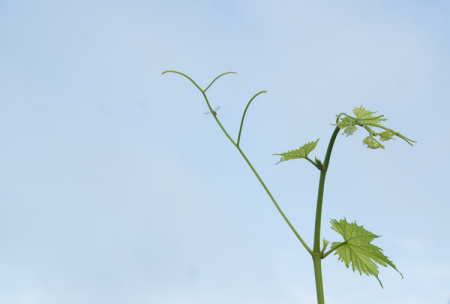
<point>317,260</point>
<point>317,255</point>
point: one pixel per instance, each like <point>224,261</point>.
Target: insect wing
<point>215,110</point>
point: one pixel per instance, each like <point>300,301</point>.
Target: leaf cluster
<point>367,120</point>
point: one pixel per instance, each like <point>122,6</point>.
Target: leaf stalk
<point>324,255</point>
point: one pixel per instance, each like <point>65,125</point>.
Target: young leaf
<point>366,116</point>
<point>302,152</point>
<point>372,143</point>
<point>325,244</point>
<point>357,249</point>
<point>367,120</point>
<point>386,135</point>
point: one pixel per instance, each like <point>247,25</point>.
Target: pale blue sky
<point>115,188</point>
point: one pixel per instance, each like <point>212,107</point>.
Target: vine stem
<point>240,151</point>
<point>259,178</point>
<point>274,202</point>
<point>323,173</point>
<point>317,254</point>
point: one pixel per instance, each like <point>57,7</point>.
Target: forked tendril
<point>242,153</point>
<point>198,87</point>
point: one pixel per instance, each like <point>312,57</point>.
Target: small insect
<point>214,111</point>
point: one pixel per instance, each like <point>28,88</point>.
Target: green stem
<point>243,115</point>
<point>333,249</point>
<point>323,173</point>
<point>316,247</point>
<point>216,79</point>
<point>409,141</point>
<point>259,178</point>
<point>242,153</point>
<point>217,120</point>
<point>317,256</point>
<point>312,162</point>
<point>274,202</point>
<point>330,147</point>
<point>319,283</point>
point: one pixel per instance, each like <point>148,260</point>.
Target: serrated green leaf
<point>367,120</point>
<point>301,152</point>
<point>357,250</point>
<point>364,115</point>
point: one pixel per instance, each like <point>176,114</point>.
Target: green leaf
<point>372,143</point>
<point>366,116</point>
<point>357,249</point>
<point>325,244</point>
<point>302,152</point>
<point>386,135</point>
<point>368,121</point>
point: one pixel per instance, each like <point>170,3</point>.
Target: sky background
<point>116,188</point>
